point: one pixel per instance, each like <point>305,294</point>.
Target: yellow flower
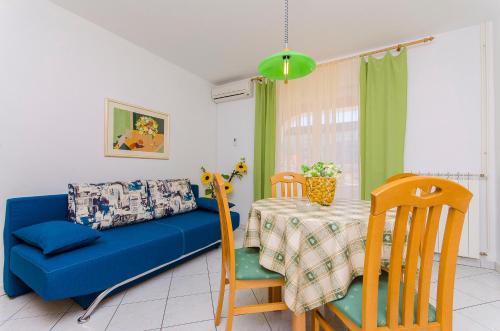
<point>241,167</point>
<point>206,178</point>
<point>228,187</point>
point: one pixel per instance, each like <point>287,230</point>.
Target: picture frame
<point>135,132</point>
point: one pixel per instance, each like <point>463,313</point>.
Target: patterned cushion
<point>350,305</point>
<point>170,197</point>
<point>249,268</point>
<point>107,205</point>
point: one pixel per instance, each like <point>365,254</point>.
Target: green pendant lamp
<point>287,64</point>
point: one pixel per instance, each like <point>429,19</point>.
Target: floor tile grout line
<point>479,304</point>
<point>17,311</point>
<point>211,294</point>
<point>486,327</point>
<point>476,322</point>
<point>265,317</point>
<point>187,275</point>
<point>186,295</point>
<point>473,296</point>
<point>175,325</point>
<point>472,276</point>
<point>36,316</point>
<point>114,313</point>
<point>62,315</point>
<point>141,301</point>
<point>166,300</point>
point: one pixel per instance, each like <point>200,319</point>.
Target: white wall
<point>444,104</point>
<point>496,138</point>
<point>446,132</point>
<point>444,124</point>
<point>56,70</point>
<point>235,120</point>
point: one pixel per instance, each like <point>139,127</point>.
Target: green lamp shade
<point>299,65</point>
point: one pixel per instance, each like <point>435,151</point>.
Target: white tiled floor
<point>185,299</point>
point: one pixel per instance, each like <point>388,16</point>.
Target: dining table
<point>319,250</point>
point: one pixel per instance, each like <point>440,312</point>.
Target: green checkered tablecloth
<point>319,252</point>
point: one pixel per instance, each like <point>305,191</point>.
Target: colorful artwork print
<point>106,205</point>
<point>135,132</point>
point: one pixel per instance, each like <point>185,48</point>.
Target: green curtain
<point>265,138</point>
<point>383,94</point>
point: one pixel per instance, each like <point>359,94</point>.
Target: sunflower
<point>241,167</point>
<point>228,187</point>
<point>206,178</point>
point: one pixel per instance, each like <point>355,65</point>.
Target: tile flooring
<point>185,299</point>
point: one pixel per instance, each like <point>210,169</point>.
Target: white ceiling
<point>222,40</point>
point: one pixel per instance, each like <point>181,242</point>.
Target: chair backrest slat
<point>426,258</point>
<point>447,267</point>
<point>226,227</point>
<point>372,270</point>
<point>288,182</point>
<point>412,255</point>
<point>419,202</point>
<point>399,231</point>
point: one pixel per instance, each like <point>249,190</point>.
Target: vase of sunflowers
<point>321,181</point>
<point>207,178</point>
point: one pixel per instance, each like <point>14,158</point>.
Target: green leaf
<point>226,177</point>
<point>208,191</point>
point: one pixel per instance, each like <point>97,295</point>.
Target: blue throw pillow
<point>210,204</point>
<point>57,236</point>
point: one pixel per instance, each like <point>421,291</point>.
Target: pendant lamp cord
<point>286,24</point>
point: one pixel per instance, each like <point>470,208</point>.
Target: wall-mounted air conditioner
<point>233,91</point>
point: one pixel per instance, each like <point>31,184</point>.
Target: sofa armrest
<point>22,212</point>
<point>209,204</point>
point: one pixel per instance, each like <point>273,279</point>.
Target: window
<point>318,120</point>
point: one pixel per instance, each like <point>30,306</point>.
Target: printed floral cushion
<point>107,205</point>
<point>169,197</point>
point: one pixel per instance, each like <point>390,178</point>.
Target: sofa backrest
<point>26,211</point>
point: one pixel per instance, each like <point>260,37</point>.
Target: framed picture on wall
<point>132,131</point>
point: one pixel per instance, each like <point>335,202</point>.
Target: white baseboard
<point>478,263</point>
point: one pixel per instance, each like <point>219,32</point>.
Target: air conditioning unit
<point>233,91</point>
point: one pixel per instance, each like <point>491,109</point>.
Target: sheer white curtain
<point>318,120</point>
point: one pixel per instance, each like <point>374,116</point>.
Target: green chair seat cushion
<point>350,305</point>
<point>249,268</point>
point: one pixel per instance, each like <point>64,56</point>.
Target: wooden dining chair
<point>425,189</point>
<point>240,268</point>
<point>383,302</point>
<point>288,182</point>
<point>399,176</point>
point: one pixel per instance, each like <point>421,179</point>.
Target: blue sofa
<point>122,255</point>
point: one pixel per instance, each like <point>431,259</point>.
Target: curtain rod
<point>398,46</point>
<point>385,49</point>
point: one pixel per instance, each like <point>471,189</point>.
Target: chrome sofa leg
<point>86,315</point>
